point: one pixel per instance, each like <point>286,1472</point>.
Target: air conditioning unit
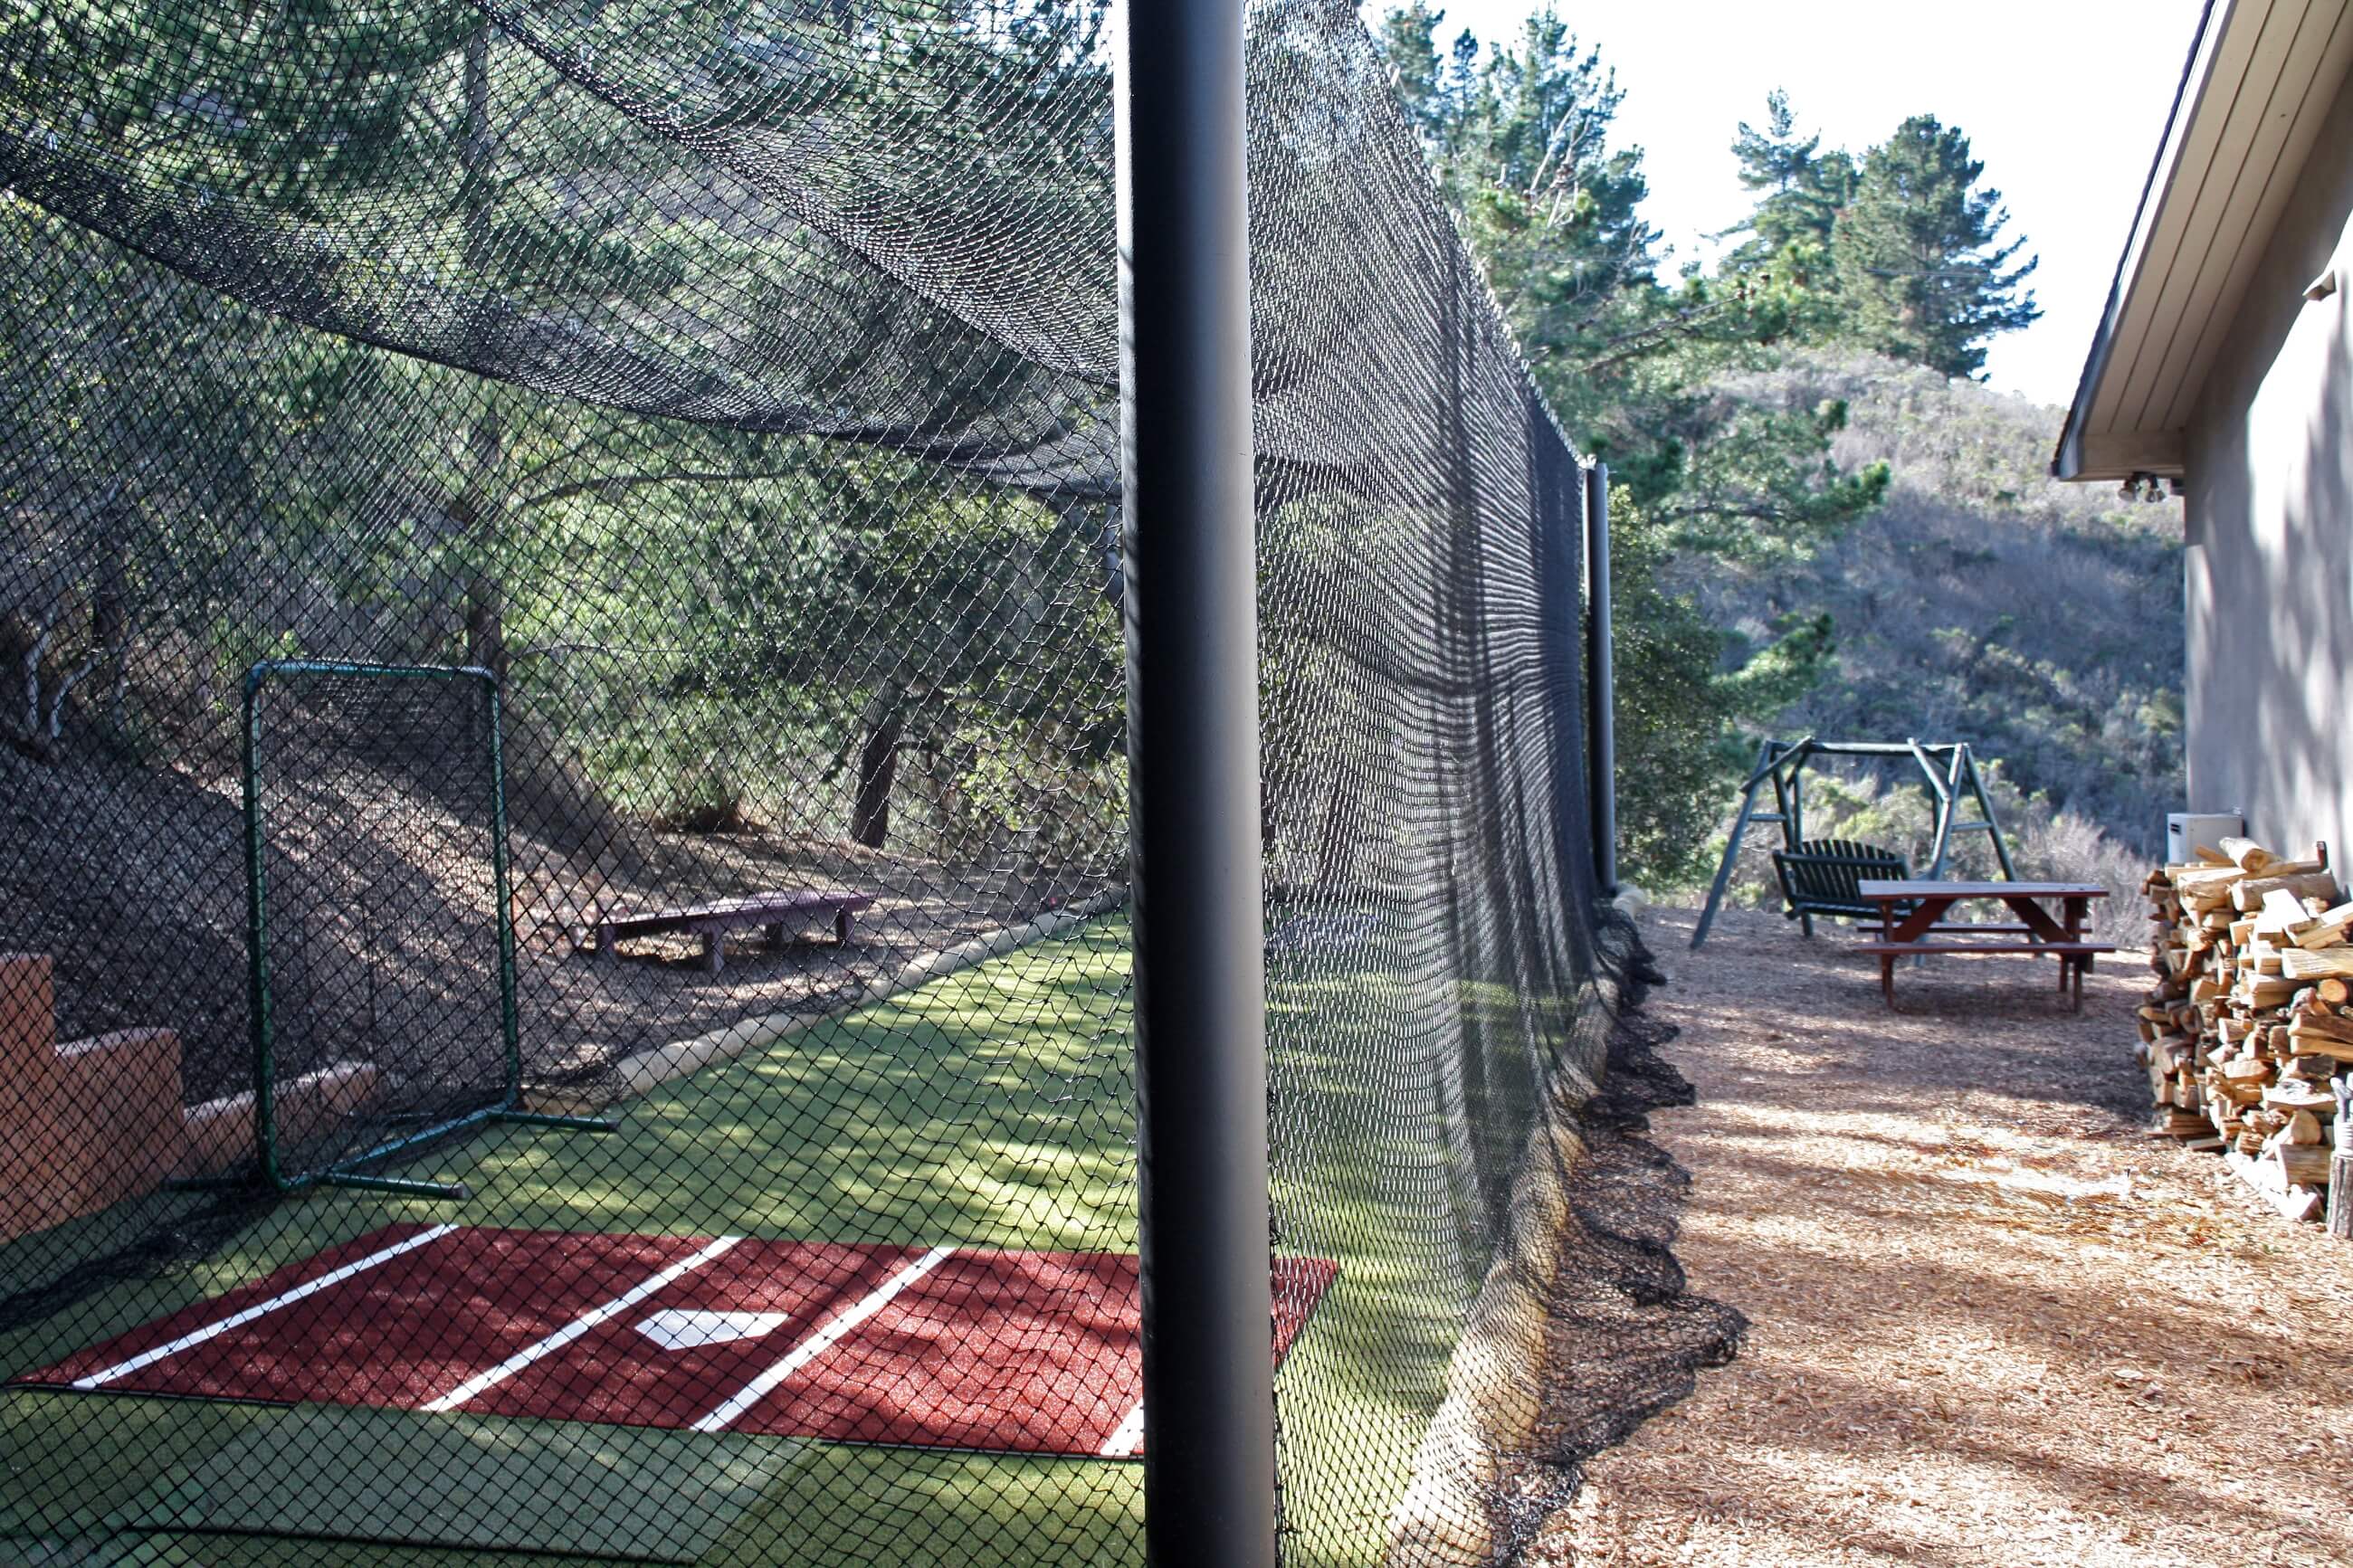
<point>2185,831</point>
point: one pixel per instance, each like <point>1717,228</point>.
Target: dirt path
<point>1994,1321</point>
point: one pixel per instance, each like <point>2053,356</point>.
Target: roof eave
<point>2124,455</point>
<point>2072,461</point>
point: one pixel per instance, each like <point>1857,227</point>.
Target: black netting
<point>692,1118</point>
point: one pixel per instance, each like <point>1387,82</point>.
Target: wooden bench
<point>777,913</point>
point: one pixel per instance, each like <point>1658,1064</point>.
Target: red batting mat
<point>1030,1353</point>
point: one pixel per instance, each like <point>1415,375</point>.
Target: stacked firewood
<point>2248,1033</point>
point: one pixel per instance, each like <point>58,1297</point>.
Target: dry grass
<point>1995,1322</point>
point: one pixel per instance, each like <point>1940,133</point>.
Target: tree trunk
<point>109,611</point>
<point>878,770</point>
<point>479,513</point>
<point>36,651</point>
<point>476,508</point>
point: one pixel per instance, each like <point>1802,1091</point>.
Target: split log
<point>2303,1099</point>
<point>2246,854</point>
<point>2302,1166</point>
<point>2312,1023</point>
<point>2247,895</point>
<point>2318,1045</point>
<point>2329,929</point>
<point>2258,991</point>
<point>2284,912</point>
<point>2269,1182</point>
<point>2301,963</point>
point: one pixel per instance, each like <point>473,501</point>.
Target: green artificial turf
<point>401,1477</point>
<point>993,1108</point>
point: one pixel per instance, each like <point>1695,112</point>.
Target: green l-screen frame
<point>347,1169</point>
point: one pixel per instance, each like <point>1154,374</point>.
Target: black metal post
<point>1189,539</point>
<point>1601,684</point>
<point>1556,482</point>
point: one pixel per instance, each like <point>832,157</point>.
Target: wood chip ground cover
<point>1994,1321</point>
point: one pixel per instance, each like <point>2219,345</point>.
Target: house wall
<point>2269,567</point>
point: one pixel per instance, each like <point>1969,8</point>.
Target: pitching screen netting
<point>736,385</point>
<point>381,941</point>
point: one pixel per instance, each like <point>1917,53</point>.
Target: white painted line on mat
<point>1127,1439</point>
<point>262,1308</point>
<point>492,1376</point>
<point>824,1340</point>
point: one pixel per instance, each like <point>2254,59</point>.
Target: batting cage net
<point>565,861</point>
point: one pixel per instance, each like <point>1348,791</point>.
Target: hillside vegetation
<point>1983,602</point>
<point>1812,526</point>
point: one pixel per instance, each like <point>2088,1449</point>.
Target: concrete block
<point>28,1014</point>
<point>220,1135</point>
<point>28,1070</point>
<point>122,1100</point>
<point>100,1124</point>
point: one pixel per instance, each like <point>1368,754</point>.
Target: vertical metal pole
<point>1558,482</point>
<point>501,880</point>
<point>1190,538</point>
<point>256,940</point>
<point>1601,687</point>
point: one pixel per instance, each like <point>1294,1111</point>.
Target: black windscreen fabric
<point>742,1107</point>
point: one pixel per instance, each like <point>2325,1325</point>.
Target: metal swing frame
<point>1949,767</point>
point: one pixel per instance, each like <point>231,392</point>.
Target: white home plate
<point>686,1330</point>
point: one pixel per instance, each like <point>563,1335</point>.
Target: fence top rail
<point>1882,748</point>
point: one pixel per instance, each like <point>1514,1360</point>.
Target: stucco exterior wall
<point>2269,568</point>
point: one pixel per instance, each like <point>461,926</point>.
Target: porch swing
<point>1822,876</point>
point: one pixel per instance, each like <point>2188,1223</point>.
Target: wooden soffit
<point>2262,76</point>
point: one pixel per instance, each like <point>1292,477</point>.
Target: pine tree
<point>1435,89</point>
<point>1805,187</point>
<point>1549,206</point>
<point>1409,38</point>
<point>1640,370</point>
<point>1918,253</point>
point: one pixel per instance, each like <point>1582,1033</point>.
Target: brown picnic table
<point>777,911</point>
<point>1914,921</point>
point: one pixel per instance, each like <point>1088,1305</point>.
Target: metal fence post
<point>1189,539</point>
<point>1601,682</point>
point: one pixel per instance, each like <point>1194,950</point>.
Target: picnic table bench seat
<point>2078,947</point>
<point>2074,957</point>
<point>778,912</point>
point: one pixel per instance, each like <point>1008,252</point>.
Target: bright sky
<point>2062,100</point>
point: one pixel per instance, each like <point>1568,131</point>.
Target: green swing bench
<point>1822,877</point>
